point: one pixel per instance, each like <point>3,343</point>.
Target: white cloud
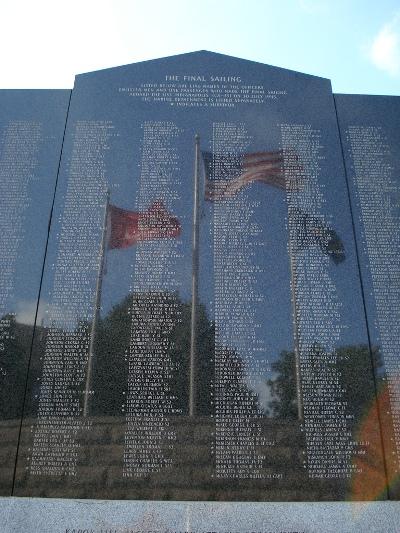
<point>385,49</point>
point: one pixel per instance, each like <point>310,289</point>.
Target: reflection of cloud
<point>263,390</point>
<point>26,310</point>
<point>385,49</point>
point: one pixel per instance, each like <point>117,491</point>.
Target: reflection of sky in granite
<point>48,108</point>
<point>308,102</point>
<point>376,111</point>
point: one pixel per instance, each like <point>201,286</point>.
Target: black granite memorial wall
<point>218,302</point>
<point>370,134</point>
<point>32,125</point>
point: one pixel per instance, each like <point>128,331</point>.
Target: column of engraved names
<point>317,313</point>
<point>378,197</point>
<point>155,310</point>
<point>19,148</point>
<point>239,442</point>
<point>71,307</point>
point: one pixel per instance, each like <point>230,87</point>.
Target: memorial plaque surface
<point>370,134</point>
<point>31,132</point>
<point>205,335</point>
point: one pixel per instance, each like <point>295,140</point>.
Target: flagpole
<point>293,277</point>
<point>195,277</point>
<point>96,315</point>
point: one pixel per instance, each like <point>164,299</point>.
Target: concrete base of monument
<point>193,471</point>
<point>25,515</point>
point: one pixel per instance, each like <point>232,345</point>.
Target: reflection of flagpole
<point>97,305</point>
<point>293,276</point>
<point>195,276</point>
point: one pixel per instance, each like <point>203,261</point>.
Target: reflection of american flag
<point>309,230</point>
<point>228,174</point>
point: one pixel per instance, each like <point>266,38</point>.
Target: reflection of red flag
<point>126,228</point>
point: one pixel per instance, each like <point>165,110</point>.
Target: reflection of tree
<point>353,365</point>
<point>111,367</point>
<point>283,387</point>
<point>15,351</point>
<point>112,343</point>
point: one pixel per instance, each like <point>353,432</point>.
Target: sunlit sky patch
<point>354,43</point>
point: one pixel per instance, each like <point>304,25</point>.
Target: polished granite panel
<point>370,132</point>
<point>204,335</point>
<point>32,124</point>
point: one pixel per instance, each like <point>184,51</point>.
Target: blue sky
<point>355,43</point>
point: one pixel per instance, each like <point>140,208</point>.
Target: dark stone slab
<point>370,131</point>
<point>32,124</point>
<point>205,336</point>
